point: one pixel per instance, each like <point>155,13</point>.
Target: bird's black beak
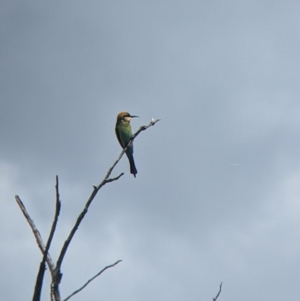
<point>132,116</point>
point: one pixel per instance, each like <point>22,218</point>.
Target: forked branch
<point>56,270</point>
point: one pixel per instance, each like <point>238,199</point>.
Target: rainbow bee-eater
<point>124,134</point>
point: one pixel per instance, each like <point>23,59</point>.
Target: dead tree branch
<point>40,277</point>
<point>36,234</point>
<point>90,280</point>
<point>56,270</point>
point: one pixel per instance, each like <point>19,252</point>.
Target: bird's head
<point>124,116</point>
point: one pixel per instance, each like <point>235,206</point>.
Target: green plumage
<point>124,134</point>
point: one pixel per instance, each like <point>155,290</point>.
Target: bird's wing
<point>118,136</point>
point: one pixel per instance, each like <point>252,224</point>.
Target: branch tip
<point>90,280</point>
<point>217,296</point>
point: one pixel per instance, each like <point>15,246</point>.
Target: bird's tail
<point>132,165</point>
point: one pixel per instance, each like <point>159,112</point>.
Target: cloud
<point>222,77</point>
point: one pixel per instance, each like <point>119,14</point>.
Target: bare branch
<point>144,127</point>
<point>215,299</point>
<point>56,270</point>
<point>90,280</point>
<point>105,180</point>
<point>36,234</point>
<point>53,228</point>
<point>115,178</point>
<point>40,277</point>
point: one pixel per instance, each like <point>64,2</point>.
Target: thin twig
<point>105,180</point>
<point>144,127</point>
<point>115,178</point>
<point>90,280</point>
<point>36,234</point>
<point>215,299</point>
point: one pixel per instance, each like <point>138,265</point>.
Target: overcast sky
<point>217,194</point>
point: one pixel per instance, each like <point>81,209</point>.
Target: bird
<point>124,134</point>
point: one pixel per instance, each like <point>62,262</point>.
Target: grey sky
<point>217,193</point>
